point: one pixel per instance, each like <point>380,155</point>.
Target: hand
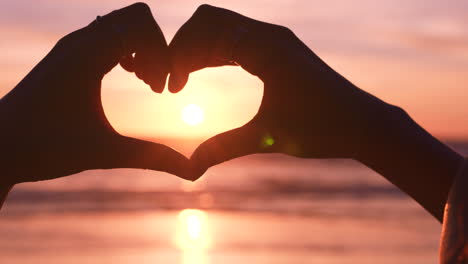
<point>308,110</point>
<point>53,123</point>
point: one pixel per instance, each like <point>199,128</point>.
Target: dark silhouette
<point>308,110</point>
<point>53,120</point>
<point>53,123</point>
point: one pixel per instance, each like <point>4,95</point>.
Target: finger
<point>126,152</point>
<point>127,62</point>
<point>235,143</point>
<point>133,30</point>
<point>152,74</point>
<point>205,40</point>
<point>177,80</point>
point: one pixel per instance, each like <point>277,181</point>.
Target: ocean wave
<point>275,197</point>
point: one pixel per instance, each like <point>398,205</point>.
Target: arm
<point>405,154</point>
<point>308,109</point>
<point>454,246</point>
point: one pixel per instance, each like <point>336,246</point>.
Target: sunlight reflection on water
<point>193,236</point>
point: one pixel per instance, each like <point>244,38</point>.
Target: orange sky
<point>410,53</point>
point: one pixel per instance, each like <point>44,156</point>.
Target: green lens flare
<point>268,141</point>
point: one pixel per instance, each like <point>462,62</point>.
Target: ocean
<point>256,209</point>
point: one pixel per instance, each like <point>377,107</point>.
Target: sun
<point>192,114</point>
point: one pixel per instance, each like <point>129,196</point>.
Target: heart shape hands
<point>308,110</point>
<point>53,123</point>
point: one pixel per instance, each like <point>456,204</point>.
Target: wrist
<point>382,124</point>
<point>404,153</point>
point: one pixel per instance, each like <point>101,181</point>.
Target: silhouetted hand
<point>308,110</point>
<point>53,122</point>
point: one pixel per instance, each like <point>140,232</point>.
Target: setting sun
<point>192,114</point>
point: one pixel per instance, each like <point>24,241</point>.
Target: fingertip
<point>205,156</point>
<point>186,173</point>
<point>171,162</point>
<point>157,86</point>
<point>177,82</point>
<point>157,89</point>
<point>127,63</point>
<point>197,169</point>
<point>157,82</point>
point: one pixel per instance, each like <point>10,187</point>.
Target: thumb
<point>246,140</point>
<point>207,39</point>
<point>126,152</point>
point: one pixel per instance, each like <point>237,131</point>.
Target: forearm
<point>454,232</point>
<point>408,156</point>
<point>6,151</point>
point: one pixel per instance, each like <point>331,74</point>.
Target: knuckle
<point>62,41</point>
<point>285,30</point>
<point>136,11</point>
<point>206,10</point>
<point>140,7</point>
<point>66,40</point>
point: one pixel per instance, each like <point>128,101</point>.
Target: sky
<point>413,54</point>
